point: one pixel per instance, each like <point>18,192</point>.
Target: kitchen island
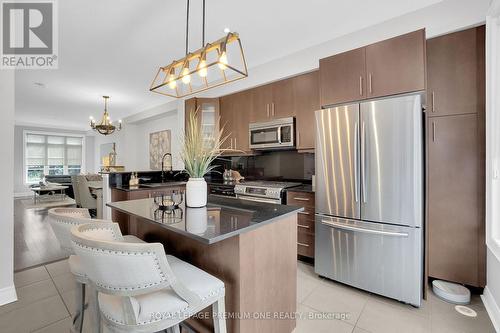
<point>251,246</point>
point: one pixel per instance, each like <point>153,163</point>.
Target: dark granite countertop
<point>302,188</point>
<point>222,218</point>
<point>142,187</point>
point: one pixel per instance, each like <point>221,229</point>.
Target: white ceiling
<point>112,47</point>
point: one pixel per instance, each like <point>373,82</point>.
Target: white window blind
<point>52,155</point>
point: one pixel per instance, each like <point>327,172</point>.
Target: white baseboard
<point>23,194</point>
<point>8,295</point>
<point>492,307</point>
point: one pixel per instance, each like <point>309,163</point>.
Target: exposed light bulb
<point>223,61</point>
<point>227,30</point>
<point>91,118</point>
<point>172,83</point>
<point>186,78</point>
<point>202,68</point>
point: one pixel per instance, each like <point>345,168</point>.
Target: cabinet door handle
<point>305,213</point>
<point>235,145</point>
<point>272,108</point>
<point>432,100</point>
<point>298,139</point>
<point>303,226</point>
<point>302,244</point>
<point>301,199</point>
<point>360,85</point>
<point>370,82</point>
<point>267,109</point>
<point>433,131</point>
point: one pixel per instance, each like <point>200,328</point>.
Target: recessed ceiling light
<point>39,84</point>
<point>227,30</point>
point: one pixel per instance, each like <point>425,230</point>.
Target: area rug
<point>28,203</point>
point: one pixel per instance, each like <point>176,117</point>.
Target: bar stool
<point>141,289</point>
<point>61,221</point>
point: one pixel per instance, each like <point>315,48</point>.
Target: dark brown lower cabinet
<point>455,198</point>
<point>305,221</point>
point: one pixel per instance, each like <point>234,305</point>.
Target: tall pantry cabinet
<point>455,142</point>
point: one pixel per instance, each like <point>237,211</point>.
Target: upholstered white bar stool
<point>61,221</point>
<point>141,289</point>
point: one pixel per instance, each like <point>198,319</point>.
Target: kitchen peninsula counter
<point>212,223</point>
<point>251,246</point>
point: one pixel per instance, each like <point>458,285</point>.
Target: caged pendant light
<point>212,65</point>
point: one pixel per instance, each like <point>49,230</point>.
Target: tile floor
<point>369,313</point>
<point>47,297</point>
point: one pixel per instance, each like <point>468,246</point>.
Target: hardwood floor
<point>34,242</point>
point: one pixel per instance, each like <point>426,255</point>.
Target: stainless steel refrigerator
<point>369,196</point>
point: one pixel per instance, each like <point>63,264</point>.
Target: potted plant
<point>198,152</point>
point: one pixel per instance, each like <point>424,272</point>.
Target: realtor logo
<point>29,34</point>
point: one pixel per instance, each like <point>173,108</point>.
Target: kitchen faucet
<point>163,166</point>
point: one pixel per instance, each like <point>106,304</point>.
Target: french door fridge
<point>369,196</point>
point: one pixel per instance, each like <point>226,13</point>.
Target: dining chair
<point>141,289</point>
<point>86,198</point>
<point>76,192</point>
<point>61,221</point>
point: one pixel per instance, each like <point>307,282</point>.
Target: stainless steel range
<point>263,191</point>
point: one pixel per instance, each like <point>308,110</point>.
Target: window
<point>53,155</point>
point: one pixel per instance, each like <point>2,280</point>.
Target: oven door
<point>256,199</point>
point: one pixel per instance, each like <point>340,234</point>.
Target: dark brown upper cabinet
<point>272,101</point>
<point>283,105</point>
<point>227,107</point>
<point>306,102</point>
<point>396,65</point>
<point>235,114</point>
<point>390,67</point>
<point>342,77</point>
<point>456,73</point>
<point>262,97</point>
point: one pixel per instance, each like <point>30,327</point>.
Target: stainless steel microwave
<point>275,134</point>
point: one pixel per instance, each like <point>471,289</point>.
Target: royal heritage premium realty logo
<point>29,34</point>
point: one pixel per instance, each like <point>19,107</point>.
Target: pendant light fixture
<point>105,127</point>
<point>212,65</point>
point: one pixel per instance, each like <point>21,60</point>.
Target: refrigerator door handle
<point>363,160</point>
<point>356,195</point>
<point>359,229</point>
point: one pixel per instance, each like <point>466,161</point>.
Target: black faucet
<point>163,166</point>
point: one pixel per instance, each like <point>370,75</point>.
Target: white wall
<point>491,296</point>
<point>125,147</point>
<point>7,289</point>
<point>20,188</point>
<point>132,142</point>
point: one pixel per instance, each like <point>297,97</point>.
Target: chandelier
<point>214,64</point>
<point>105,127</point>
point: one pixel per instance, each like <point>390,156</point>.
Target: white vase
<point>196,220</point>
<point>196,192</point>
